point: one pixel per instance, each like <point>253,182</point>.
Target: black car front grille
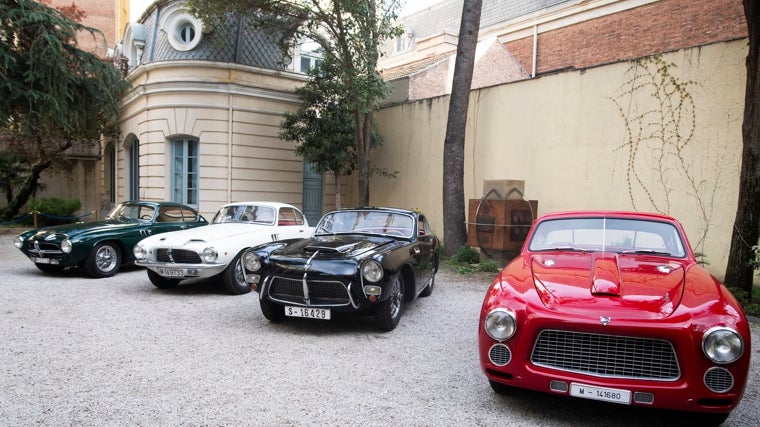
<point>321,292</point>
<point>610,356</point>
<point>179,256</point>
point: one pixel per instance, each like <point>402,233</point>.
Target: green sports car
<point>101,247</point>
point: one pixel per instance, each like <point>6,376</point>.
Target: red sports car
<point>613,306</point>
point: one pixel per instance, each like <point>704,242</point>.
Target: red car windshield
<point>608,234</point>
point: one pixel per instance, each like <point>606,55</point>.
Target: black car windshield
<point>132,211</point>
<point>387,223</point>
<point>245,213</point>
<point>625,236</point>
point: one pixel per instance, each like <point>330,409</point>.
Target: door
<point>312,194</point>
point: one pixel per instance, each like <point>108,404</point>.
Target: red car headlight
<point>500,324</point>
<point>722,345</point>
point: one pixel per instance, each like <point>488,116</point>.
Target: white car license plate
<point>38,260</point>
<point>310,313</point>
<point>171,272</point>
<point>600,393</point>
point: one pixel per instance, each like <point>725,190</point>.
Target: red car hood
<point>610,284</point>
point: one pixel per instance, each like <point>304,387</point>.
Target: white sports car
<point>215,249</point>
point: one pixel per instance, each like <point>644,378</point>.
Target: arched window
<point>184,171</point>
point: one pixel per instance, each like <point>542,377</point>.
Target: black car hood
<point>334,247</point>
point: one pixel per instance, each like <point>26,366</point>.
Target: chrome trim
<point>354,304</point>
<point>306,298</point>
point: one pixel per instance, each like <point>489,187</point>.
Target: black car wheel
<point>429,288</point>
<point>160,281</point>
<point>47,268</point>
<point>499,388</point>
<point>273,312</point>
<point>388,312</point>
<point>234,278</point>
<point>104,260</point>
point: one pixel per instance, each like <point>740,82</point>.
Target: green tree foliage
<point>349,33</point>
<point>323,127</point>
<point>52,93</point>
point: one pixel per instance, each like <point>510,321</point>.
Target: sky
<point>137,7</point>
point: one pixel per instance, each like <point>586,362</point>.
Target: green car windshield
<point>132,211</point>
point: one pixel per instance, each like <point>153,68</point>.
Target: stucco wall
<point>234,112</point>
<point>564,135</point>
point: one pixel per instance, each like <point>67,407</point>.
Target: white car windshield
<point>380,222</point>
<point>245,213</point>
<point>624,236</point>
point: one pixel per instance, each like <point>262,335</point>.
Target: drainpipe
<point>229,150</point>
<point>535,49</point>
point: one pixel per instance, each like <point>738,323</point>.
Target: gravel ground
<point>118,351</point>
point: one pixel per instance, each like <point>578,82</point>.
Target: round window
<point>183,30</point>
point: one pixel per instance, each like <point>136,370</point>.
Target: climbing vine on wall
<point>659,115</point>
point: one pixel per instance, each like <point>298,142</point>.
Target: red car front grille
<point>610,356</point>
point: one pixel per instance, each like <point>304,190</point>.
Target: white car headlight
<point>66,246</point>
<point>139,252</point>
<point>500,324</point>
<point>722,345</point>
<point>251,261</point>
<point>19,242</point>
<point>372,271</point>
<point>209,255</point>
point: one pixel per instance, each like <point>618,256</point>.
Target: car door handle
<point>417,250</point>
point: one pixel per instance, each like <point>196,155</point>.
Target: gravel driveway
<point>118,351</point>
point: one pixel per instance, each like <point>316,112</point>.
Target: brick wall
<point>101,14</point>
<point>663,26</point>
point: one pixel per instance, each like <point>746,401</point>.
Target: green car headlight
<point>500,324</point>
<point>66,246</point>
<point>18,242</point>
<point>722,345</point>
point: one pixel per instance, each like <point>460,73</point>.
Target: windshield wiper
<point>646,252</point>
<point>564,248</point>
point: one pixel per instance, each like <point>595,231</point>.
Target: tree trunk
<point>454,227</point>
<point>746,230</point>
<point>338,190</point>
<point>362,157</point>
<point>26,190</point>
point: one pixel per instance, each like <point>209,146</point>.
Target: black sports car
<point>371,260</point>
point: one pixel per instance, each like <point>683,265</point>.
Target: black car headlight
<point>722,345</point>
<point>66,246</point>
<point>372,271</point>
<point>251,261</point>
<point>139,252</point>
<point>500,324</point>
